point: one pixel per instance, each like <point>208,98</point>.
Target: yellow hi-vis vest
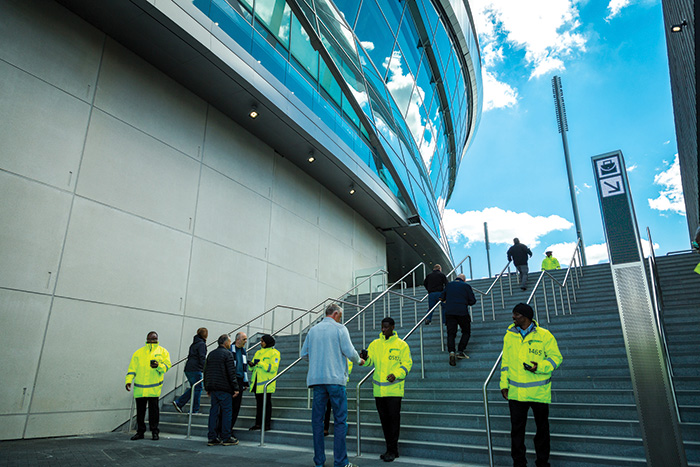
<point>389,356</point>
<point>148,381</point>
<point>265,370</point>
<point>537,346</point>
<point>550,263</point>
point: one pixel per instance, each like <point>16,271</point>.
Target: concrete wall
<point>129,204</point>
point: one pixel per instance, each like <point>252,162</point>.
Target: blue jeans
<point>339,402</point>
<point>433,298</point>
<point>220,402</point>
<point>192,377</point>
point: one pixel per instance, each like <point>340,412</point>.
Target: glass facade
<point>401,68</point>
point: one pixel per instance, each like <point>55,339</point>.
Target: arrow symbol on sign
<point>614,188</point>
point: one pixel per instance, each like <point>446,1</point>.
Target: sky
<point>611,58</point>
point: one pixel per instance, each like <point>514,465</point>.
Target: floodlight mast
<point>563,128</point>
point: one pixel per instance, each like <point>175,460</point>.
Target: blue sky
<point>611,57</point>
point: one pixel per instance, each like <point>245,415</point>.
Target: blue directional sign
<point>616,207</point>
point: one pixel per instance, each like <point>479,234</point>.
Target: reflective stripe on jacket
<point>550,263</point>
<point>148,381</point>
<point>264,370</point>
<point>537,346</point>
<point>389,356</point>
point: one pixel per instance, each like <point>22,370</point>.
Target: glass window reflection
<point>275,16</point>
<point>302,50</point>
<point>375,35</point>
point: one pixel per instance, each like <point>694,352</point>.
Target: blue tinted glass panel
<point>349,10</point>
<point>301,49</point>
<point>275,15</point>
<point>408,41</point>
<point>270,59</point>
<point>400,82</point>
<point>374,34</point>
<point>325,111</point>
<point>422,204</point>
<point>328,83</point>
<point>429,15</point>
<point>301,88</point>
<point>230,22</point>
<point>392,12</point>
<point>350,112</point>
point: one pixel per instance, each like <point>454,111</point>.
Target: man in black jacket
<point>434,283</point>
<point>458,297</point>
<point>193,370</point>
<point>519,253</point>
<point>221,385</point>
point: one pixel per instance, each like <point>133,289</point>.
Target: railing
<point>499,280</point>
<point>576,257</point>
<point>294,363</point>
<point>471,275</point>
<point>657,302</point>
<point>574,270</point>
<point>189,421</point>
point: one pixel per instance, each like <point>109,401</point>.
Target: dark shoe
<point>137,436</point>
<point>427,323</point>
<point>325,433</point>
<point>523,288</point>
<point>177,407</point>
<point>389,457</point>
<point>214,442</point>
<point>453,360</point>
<point>254,427</point>
<point>460,355</point>
<point>268,428</point>
<point>230,442</point>
<point>155,437</point>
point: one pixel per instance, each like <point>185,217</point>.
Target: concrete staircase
<point>593,416</point>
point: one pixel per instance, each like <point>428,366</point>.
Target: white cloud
<point>615,6</point>
<point>632,168</point>
<point>497,94</point>
<point>667,142</point>
<point>468,227</point>
<point>671,196</point>
<point>546,31</point>
<point>586,185</point>
<point>595,254</point>
<point>367,45</point>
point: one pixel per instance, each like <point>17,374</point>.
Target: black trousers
<point>464,322</point>
<point>518,421</point>
<point>327,417</point>
<point>237,402</point>
<point>268,410</point>
<point>389,409</point>
<point>153,414</point>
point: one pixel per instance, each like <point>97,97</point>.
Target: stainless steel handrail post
<point>189,421</point>
<point>131,413</point>
<point>486,409</point>
<point>267,383</point>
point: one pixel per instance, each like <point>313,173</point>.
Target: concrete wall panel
<point>44,138</point>
<point>82,423</point>
<point>116,258</point>
<point>12,426</point>
<point>34,223</point>
<point>130,170</point>
<point>336,217</point>
<point>22,323</point>
<point>296,191</point>
<point>87,351</point>
<point>225,284</point>
<point>335,260</point>
<point>136,92</point>
<point>56,45</point>
<point>293,243</point>
<point>289,288</point>
<point>232,215</point>
<point>234,152</point>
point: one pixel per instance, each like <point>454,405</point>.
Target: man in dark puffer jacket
<point>193,370</point>
<point>221,385</point>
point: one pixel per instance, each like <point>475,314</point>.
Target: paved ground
<point>113,449</point>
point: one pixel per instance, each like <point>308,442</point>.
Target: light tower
<point>563,128</point>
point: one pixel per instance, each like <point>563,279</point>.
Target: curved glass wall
<point>400,68</point>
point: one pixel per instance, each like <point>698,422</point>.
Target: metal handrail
<point>500,356</point>
<point>346,323</point>
<point>657,303</point>
<point>370,373</point>
<point>189,421</point>
<point>471,275</point>
<point>488,292</point>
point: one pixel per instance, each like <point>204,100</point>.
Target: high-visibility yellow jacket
<point>265,370</point>
<point>148,381</point>
<point>550,263</point>
<point>537,346</point>
<point>389,356</point>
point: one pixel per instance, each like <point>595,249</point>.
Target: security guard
<point>530,355</point>
<point>550,262</point>
<point>265,364</point>
<point>146,369</point>
<point>391,358</point>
